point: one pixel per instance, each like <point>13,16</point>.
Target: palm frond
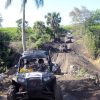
<point>8,2</point>
<point>39,3</point>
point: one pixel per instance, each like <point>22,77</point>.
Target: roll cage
<point>37,57</point>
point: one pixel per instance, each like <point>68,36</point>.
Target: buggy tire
<point>11,93</point>
<point>58,93</point>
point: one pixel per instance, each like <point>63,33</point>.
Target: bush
<point>90,42</point>
<point>81,72</point>
<point>11,32</point>
<point>6,52</point>
<point>37,42</point>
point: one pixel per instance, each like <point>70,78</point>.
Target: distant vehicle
<point>63,48</point>
<point>35,78</point>
<point>68,38</point>
<point>69,35</point>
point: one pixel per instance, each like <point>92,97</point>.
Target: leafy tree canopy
<point>80,15</point>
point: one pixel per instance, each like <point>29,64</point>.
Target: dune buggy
<point>35,78</point>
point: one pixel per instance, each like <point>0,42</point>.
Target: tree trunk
<point>23,28</point>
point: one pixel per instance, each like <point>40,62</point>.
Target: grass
<point>96,63</point>
<point>81,72</point>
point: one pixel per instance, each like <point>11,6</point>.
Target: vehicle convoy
<point>68,37</point>
<point>63,48</point>
<point>35,78</point>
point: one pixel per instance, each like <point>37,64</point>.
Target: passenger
<point>41,65</point>
<point>34,61</point>
<point>26,67</point>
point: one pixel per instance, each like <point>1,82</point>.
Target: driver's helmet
<point>42,66</point>
<point>25,61</point>
<point>34,60</point>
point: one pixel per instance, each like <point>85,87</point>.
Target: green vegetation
<point>87,24</point>
<point>23,7</point>
<point>4,51</point>
<point>11,32</point>
<point>35,37</point>
<point>53,21</point>
<point>81,72</point>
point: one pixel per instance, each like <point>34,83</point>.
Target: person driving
<point>41,65</point>
<point>26,67</point>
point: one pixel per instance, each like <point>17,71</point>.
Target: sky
<point>64,7</point>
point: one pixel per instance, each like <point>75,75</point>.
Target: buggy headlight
<point>21,80</point>
<point>46,78</point>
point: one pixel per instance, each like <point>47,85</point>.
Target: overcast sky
<point>33,14</point>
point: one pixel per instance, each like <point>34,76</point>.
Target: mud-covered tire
<point>58,93</point>
<point>11,93</point>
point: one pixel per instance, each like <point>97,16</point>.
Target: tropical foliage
<point>53,21</point>
<point>87,24</point>
<point>4,51</point>
<point>39,28</point>
<point>23,5</point>
<point>19,24</point>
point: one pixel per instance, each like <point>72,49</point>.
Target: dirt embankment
<point>77,56</point>
<point>73,88</point>
<point>83,89</point>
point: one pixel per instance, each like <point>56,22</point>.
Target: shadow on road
<point>84,89</point>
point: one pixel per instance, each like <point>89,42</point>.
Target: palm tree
<point>53,20</point>
<point>19,24</point>
<point>38,4</point>
<point>39,27</point>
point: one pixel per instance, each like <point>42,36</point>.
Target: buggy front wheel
<point>11,93</point>
<point>58,93</point>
